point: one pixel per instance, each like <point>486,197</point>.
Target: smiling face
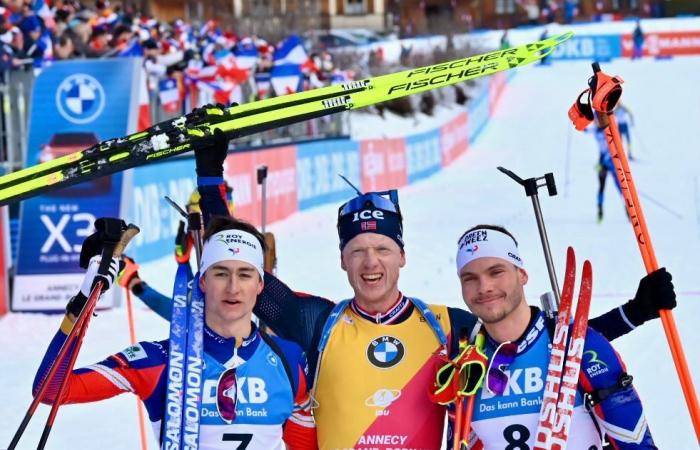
<point>493,290</point>
<point>231,288</point>
<point>372,262</point>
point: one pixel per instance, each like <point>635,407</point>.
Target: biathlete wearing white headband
<point>233,245</point>
<point>487,242</point>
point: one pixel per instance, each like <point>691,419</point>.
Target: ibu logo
<point>80,98</point>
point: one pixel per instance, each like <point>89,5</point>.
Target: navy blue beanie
<point>370,220</point>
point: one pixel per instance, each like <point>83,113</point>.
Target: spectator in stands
<point>64,48</point>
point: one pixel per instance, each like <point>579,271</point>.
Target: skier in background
<point>625,120</point>
<point>605,166</point>
<point>637,41</point>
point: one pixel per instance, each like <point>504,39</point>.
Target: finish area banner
<point>75,104</point>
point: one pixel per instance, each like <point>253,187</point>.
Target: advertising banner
<point>591,47</point>
<point>5,260</point>
<point>318,166</point>
<point>672,43</point>
<point>75,104</point>
<point>497,84</point>
<point>240,173</point>
<point>145,205</point>
<point>383,164</point>
<point>454,138</point>
<point>423,155</point>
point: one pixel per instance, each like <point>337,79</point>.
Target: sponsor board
<point>591,47</point>
<point>665,43</point>
<point>454,138</point>
<point>146,206</point>
<point>75,104</point>
<point>240,172</point>
<point>318,165</point>
<point>383,164</point>
<point>423,155</point>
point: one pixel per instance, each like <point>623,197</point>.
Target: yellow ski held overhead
<point>194,130</point>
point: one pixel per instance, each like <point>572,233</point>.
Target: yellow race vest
<point>372,388</point>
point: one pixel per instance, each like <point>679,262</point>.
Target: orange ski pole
<point>459,410</point>
<point>606,93</point>
<point>467,426</point>
<point>132,338</point>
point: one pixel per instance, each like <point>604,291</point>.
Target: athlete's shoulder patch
<point>134,353</point>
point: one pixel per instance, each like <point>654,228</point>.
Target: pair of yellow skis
<point>194,130</point>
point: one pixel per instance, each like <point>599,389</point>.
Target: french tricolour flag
<point>246,54</point>
<point>262,84</point>
<point>169,94</point>
<point>287,61</point>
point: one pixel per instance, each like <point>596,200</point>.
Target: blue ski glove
<point>655,292</point>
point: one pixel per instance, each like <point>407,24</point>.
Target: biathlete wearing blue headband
<point>358,346</point>
<point>254,385</point>
<point>507,407</point>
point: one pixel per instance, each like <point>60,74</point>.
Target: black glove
<point>107,230</point>
<point>655,292</point>
<point>210,160</point>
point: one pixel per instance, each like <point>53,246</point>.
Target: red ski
<point>572,368</point>
<point>565,363</point>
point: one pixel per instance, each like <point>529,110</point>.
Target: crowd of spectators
<point>34,33</point>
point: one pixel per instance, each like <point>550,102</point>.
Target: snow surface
<point>530,135</point>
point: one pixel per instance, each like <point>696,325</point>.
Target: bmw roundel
<point>80,98</point>
<point>385,352</point>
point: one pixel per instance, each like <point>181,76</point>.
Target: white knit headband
<point>233,245</point>
<point>484,242</point>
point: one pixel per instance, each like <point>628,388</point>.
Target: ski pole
<point>459,423</point>
<point>531,186</point>
<point>194,226</point>
<point>85,315</point>
<point>262,180</point>
<point>92,300</point>
<point>606,91</point>
<point>132,338</point>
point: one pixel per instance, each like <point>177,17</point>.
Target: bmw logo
<point>80,98</point>
<point>385,352</point>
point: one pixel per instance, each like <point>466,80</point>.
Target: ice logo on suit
<point>80,98</point>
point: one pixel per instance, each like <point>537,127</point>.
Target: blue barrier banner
<point>75,104</point>
<point>318,166</point>
<point>423,154</point>
<point>593,47</point>
<point>478,109</point>
<point>146,206</point>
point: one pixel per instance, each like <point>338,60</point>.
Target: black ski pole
<point>531,186</point>
<point>262,181</point>
<point>194,226</point>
